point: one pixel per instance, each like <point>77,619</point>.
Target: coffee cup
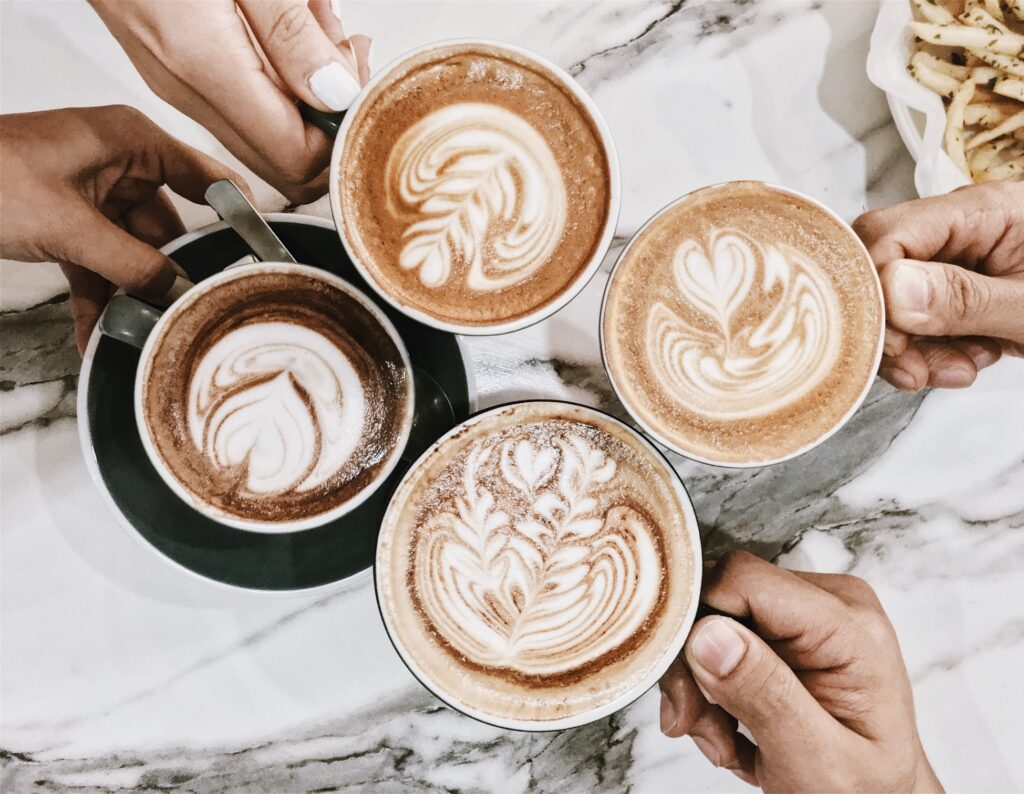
<point>474,185</point>
<point>271,397</point>
<point>743,324</point>
<point>539,567</point>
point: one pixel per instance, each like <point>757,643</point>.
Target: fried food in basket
<point>971,53</point>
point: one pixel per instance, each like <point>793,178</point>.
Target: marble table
<point>120,673</point>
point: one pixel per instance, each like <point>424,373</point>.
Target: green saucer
<point>283,563</point>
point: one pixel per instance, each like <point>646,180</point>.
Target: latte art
<point>743,324</point>
<point>740,362</point>
<point>538,563</point>
<point>285,415</point>
<point>276,396</point>
<point>474,187</point>
<point>529,574</point>
<point>491,193</point>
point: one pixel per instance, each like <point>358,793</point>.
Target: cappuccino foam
<point>276,396</point>
<point>538,564</point>
<point>474,185</point>
<point>742,324</point>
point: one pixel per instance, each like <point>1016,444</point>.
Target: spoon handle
<point>232,205</point>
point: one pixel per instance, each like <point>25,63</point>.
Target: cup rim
<point>635,692</point>
<point>652,431</point>
<point>193,500</point>
<point>585,275</point>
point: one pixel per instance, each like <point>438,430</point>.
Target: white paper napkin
<point>919,114</point>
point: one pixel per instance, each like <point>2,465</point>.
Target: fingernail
<point>334,85</point>
<point>709,750</point>
<point>911,288</point>
<point>668,715</point>
<point>336,9</point>
<point>718,647</point>
<point>899,378</point>
<point>952,378</point>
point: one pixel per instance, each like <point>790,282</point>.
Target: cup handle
<point>128,320</point>
<point>329,123</point>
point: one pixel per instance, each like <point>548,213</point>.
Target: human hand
<point>82,188</point>
<point>952,271</point>
<point>819,683</point>
<point>238,67</point>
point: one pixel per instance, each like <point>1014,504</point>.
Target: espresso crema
<point>276,396</point>
<point>474,185</point>
<point>742,324</point>
<point>537,564</point>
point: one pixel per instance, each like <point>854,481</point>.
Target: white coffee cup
<point>341,125</point>
<point>141,325</point>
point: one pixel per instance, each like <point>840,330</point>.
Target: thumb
<point>936,299</point>
<point>739,672</point>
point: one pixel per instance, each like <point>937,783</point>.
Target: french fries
<point>971,53</point>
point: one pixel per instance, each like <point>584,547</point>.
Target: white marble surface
<point>121,673</point>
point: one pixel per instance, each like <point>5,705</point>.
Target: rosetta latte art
<point>490,193</point>
<point>770,333</point>
<point>530,573</point>
<point>282,416</point>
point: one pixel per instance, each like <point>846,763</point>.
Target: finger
<point>1011,348</point>
<point>154,221</point>
<point>685,711</point>
<point>301,53</point>
<point>948,367</point>
<point>895,342</point>
<point>936,299</point>
<point>88,295</point>
<point>979,224</point>
<point>984,352</point>
<point>908,371</point>
<point>89,239</point>
<point>851,589</point>
<point>362,47</point>
<point>782,607</point>
<point>749,680</point>
<point>281,147</point>
<point>330,23</point>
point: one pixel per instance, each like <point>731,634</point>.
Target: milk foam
<point>490,192</point>
<point>542,567</point>
<point>741,361</point>
<point>286,414</point>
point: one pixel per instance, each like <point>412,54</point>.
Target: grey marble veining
<point>120,674</point>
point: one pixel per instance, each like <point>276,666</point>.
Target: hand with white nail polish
<point>238,67</point>
<point>818,681</point>
<point>952,271</point>
<point>83,187</point>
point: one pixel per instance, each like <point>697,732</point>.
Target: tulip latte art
<point>276,396</point>
<point>538,564</point>
<point>742,324</point>
<point>738,364</point>
<point>474,186</point>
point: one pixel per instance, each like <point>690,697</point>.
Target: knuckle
<point>735,561</point>
<point>767,684</point>
<point>858,588</point>
<point>964,296</point>
<point>872,626</point>
<point>288,27</point>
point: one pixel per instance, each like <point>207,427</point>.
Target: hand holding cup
<point>952,270</point>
